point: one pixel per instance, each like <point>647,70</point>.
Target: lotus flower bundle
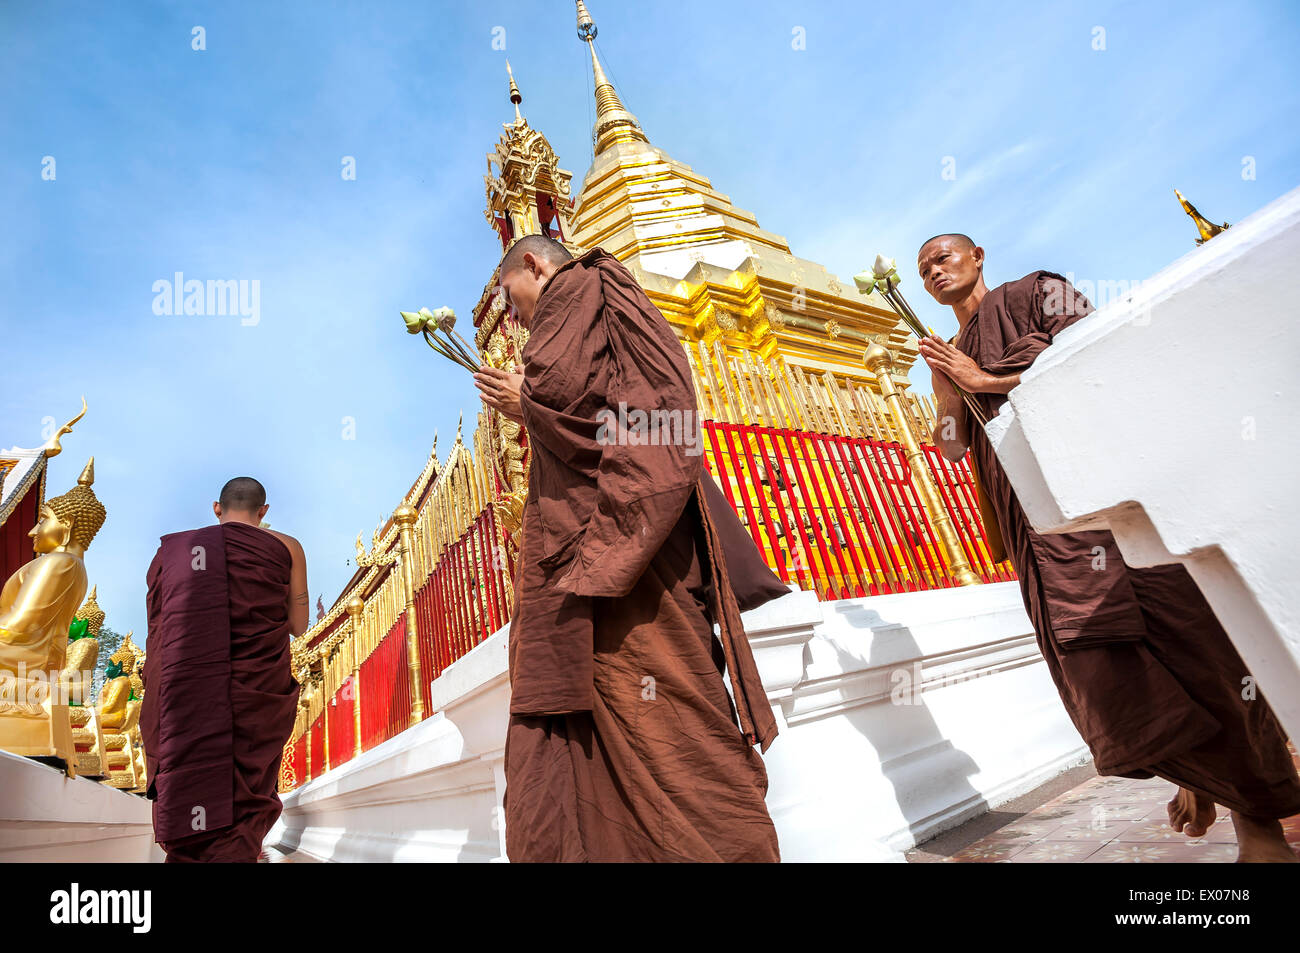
<point>439,329</point>
<point>884,278</point>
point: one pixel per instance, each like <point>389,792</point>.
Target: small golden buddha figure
<point>137,737</point>
<point>119,716</point>
<point>37,606</point>
<point>116,693</point>
<point>76,680</point>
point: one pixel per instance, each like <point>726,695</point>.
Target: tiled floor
<point>1109,821</point>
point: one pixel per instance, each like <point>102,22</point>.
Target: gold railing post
<point>325,712</point>
<point>355,608</point>
<point>405,517</point>
<point>307,752</point>
<point>878,361</point>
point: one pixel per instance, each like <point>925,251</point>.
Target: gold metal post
<point>355,608</point>
<point>325,712</point>
<point>405,517</point>
<point>878,361</point>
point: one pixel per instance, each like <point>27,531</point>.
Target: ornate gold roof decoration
<point>1206,228</point>
<point>522,166</point>
<point>53,448</point>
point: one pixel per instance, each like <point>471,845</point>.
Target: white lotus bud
<point>865,281</point>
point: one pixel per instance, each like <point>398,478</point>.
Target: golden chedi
<point>77,679</point>
<point>37,606</point>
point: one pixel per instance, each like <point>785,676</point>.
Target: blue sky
<point>225,163</point>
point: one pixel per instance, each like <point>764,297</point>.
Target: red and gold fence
<point>316,751</point>
<point>466,598</point>
<point>385,688</point>
<point>841,515</point>
<point>342,728</point>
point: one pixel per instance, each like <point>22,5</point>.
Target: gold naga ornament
<point>1204,226</point>
<point>37,606</point>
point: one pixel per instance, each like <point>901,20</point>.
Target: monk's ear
<point>978,254</point>
<point>261,511</point>
<point>216,510</point>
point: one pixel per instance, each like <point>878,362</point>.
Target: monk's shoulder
<point>1023,295</point>
<point>291,544</point>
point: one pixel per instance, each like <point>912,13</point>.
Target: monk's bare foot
<point>1260,841</point>
<point>1191,812</point>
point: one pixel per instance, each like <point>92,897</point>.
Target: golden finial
<point>515,96</point>
<point>53,448</point>
<point>1207,228</point>
<point>87,477</point>
<point>613,122</point>
<point>91,612</point>
<point>459,421</point>
<point>355,607</point>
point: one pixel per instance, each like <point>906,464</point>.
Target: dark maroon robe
<point>623,742</point>
<point>1147,673</point>
<point>220,699</point>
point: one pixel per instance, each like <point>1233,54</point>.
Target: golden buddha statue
<point>119,716</point>
<point>76,680</point>
<point>116,693</point>
<point>137,737</point>
<point>37,606</point>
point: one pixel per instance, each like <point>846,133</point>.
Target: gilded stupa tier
<point>708,265</point>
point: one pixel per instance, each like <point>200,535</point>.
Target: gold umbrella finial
<point>613,122</point>
<point>515,96</point>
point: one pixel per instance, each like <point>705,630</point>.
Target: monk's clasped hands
<point>500,390</point>
<point>953,364</point>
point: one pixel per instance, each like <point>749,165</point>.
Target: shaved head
<point>539,246</point>
<point>951,267</point>
<point>242,495</point>
<point>964,240</point>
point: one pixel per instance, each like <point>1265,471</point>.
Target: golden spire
<point>515,96</point>
<point>1207,228</point>
<point>613,122</point>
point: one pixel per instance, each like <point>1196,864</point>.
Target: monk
<point>1146,671</point>
<point>220,698</point>
<point>623,743</point>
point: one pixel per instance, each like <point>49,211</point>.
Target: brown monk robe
<point>220,699</point>
<point>1147,673</point>
<point>623,742</point>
